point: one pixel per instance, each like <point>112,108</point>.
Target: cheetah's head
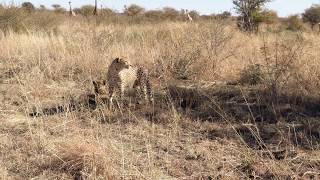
<point>121,63</point>
<point>99,87</point>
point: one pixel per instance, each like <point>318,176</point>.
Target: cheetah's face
<point>121,63</point>
<point>99,87</point>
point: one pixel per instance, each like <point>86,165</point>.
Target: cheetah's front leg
<point>121,89</point>
<point>144,92</point>
<point>111,94</point>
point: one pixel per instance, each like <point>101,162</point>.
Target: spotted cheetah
<point>99,87</point>
<point>122,76</point>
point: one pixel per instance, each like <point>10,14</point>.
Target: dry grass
<point>41,69</point>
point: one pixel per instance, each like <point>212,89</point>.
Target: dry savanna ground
<point>228,105</point>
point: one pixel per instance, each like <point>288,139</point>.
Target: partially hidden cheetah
<point>99,87</point>
<point>122,76</point>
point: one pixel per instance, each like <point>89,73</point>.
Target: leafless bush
<point>215,40</point>
<point>252,75</point>
<point>180,58</point>
<point>187,57</point>
<point>280,58</point>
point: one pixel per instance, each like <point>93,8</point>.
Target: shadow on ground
<point>256,119</point>
<point>293,120</point>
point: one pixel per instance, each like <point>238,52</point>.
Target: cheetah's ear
<point>117,60</point>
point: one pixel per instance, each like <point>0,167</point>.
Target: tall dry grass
<point>203,51</point>
<point>39,68</point>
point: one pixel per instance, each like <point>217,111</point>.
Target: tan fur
<point>122,76</point>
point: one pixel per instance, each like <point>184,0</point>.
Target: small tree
<point>58,9</point>
<point>171,13</point>
<point>294,23</point>
<point>86,10</point>
<point>194,14</point>
<point>56,6</point>
<point>224,15</point>
<point>249,13</point>
<point>269,16</point>
<point>28,6</point>
<point>108,12</point>
<point>42,7</point>
<point>134,10</point>
<point>312,15</point>
<point>154,15</point>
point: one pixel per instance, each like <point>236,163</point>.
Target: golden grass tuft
<point>82,159</point>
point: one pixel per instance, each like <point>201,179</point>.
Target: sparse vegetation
<point>227,104</point>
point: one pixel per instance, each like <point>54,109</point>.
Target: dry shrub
<point>11,18</point>
<point>252,75</point>
<point>294,23</point>
<point>216,41</point>
<point>82,159</point>
<point>180,64</point>
<point>44,21</point>
<point>281,58</point>
<point>18,20</point>
<point>195,51</point>
<point>278,68</point>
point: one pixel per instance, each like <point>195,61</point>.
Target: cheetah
<point>99,87</point>
<point>122,76</point>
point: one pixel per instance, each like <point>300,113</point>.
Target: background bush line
<point>27,17</point>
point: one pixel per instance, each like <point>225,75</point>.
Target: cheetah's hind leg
<point>149,93</point>
<point>111,94</point>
